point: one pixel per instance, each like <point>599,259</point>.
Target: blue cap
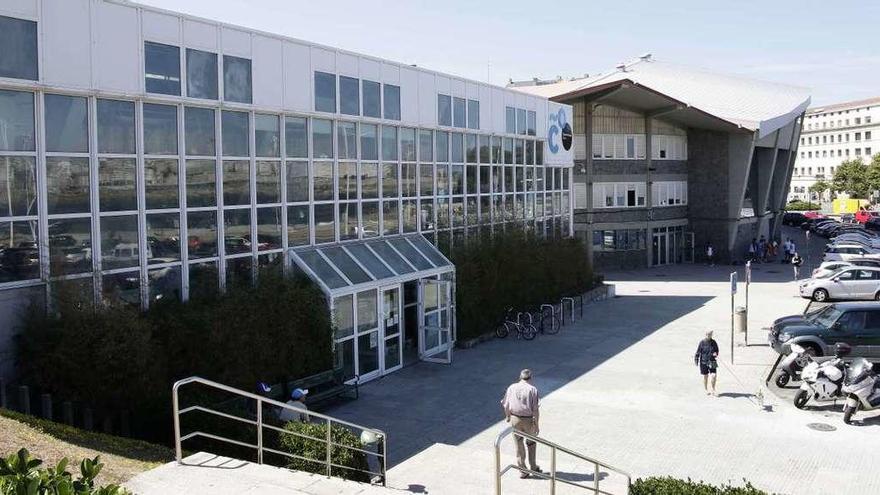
<point>298,393</point>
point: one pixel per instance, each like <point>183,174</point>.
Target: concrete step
<point>208,474</point>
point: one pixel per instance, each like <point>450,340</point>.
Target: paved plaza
<point>620,386</point>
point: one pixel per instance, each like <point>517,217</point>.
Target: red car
<point>812,214</point>
<point>862,216</point>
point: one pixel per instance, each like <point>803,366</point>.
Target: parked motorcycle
<point>822,381</point>
<point>861,388</point>
<point>792,365</point>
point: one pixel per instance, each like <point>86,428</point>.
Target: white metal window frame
<point>617,192</point>
<point>669,193</point>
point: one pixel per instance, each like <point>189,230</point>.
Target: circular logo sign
<point>566,136</point>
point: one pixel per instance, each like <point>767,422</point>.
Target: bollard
<point>24,399</point>
<point>88,420</point>
<point>67,412</point>
<point>3,403</point>
<point>46,403</point>
<point>125,424</point>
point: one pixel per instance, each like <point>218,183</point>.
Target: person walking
<point>796,263</point>
<point>710,254</point>
<point>706,358</point>
<point>753,249</point>
<point>520,405</point>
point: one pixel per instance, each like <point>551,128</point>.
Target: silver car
<point>849,283</point>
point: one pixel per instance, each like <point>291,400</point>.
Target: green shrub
<point>22,474</point>
<point>317,449</point>
<point>802,206</point>
<point>673,486</point>
<point>518,270</point>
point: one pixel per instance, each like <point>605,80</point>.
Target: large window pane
<point>346,140</point>
<point>237,79</point>
<point>18,58</point>
<point>268,228</point>
<point>16,121</point>
<point>121,289</point>
<point>160,129</point>
<point>371,99</point>
<point>323,181</point>
<point>391,101</point>
<point>199,127</point>
<point>325,224</point>
<point>426,214</point>
<point>389,180</point>
<point>201,234</point>
<point>369,180</point>
<point>119,242</point>
<point>531,123</point>
<point>325,92</point>
<point>235,133</point>
<point>237,231</point>
<point>410,214</point>
<point>267,135</point>
<point>349,96</point>
<point>70,248</point>
<point>296,136</point>
<point>442,179</point>
<point>201,183</point>
<point>297,181</point>
<point>389,143</point>
<point>442,146</point>
<point>444,110</point>
<point>19,256</point>
<point>116,127</point>
<point>390,220</point>
<point>457,179</point>
<point>297,225</point>
<point>508,151</point>
<point>370,216</point>
<point>116,184</point>
<point>473,115</point>
<point>369,142</point>
<point>162,68</point>
<point>408,145</point>
<point>204,280</point>
<point>426,146</point>
<point>347,182</point>
<point>471,148</point>
<point>18,186</point>
<point>348,221</point>
<point>67,185</point>
<point>520,121</point>
<point>322,138</point>
<point>484,149</point>
<point>457,148</point>
<point>458,112</point>
<point>163,237</point>
<point>519,151</point>
<point>268,182</point>
<point>239,272</point>
<point>67,124</point>
<point>426,179</point>
<point>510,120</point>
<point>236,182</point>
<point>408,180</point>
<point>164,283</point>
<point>201,74</point>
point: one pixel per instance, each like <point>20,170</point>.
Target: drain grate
<point>821,427</point>
<point>644,290</point>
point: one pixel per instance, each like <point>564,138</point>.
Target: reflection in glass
<point>408,180</point>
<point>426,179</point>
<point>237,231</point>
<point>519,151</point>
<point>267,135</point>
<point>347,182</point>
<point>201,234</point>
<point>426,145</point>
<point>322,138</point>
<point>239,272</point>
<point>201,182</point>
<point>368,353</point>
<point>471,179</point>
<point>442,213</point>
<point>160,129</point>
<point>236,182</point>
<point>471,148</point>
<point>297,181</point>
<point>18,185</point>
<point>367,311</point>
<point>121,289</point>
<point>369,142</point>
<point>346,140</point>
<point>343,316</point>
<point>201,74</point>
<point>160,183</point>
<point>296,137</point>
<point>116,186</point>
<point>297,225</point>
<point>426,214</point>
<point>67,124</point>
<point>458,112</point>
<point>235,133</point>
<point>370,180</point>
<point>389,143</point>
<point>410,216</point>
<point>268,228</point>
<point>343,357</point>
<point>268,182</point>
<point>348,221</point>
<point>115,126</point>
<point>370,216</point>
<point>16,121</point>
<point>473,117</point>
<point>390,220</point>
<point>389,180</point>
<point>325,223</point>
<point>163,237</point>
<point>70,246</point>
<point>371,98</point>
<point>19,41</point>
<point>67,185</point>
<point>322,181</point>
<point>204,280</point>
<point>119,242</point>
<point>349,96</point>
<point>457,181</point>
<point>391,101</point>
<point>325,92</point>
<point>19,254</point>
<point>199,129</point>
<point>444,110</point>
<point>270,265</point>
<point>161,68</point>
<point>442,179</point>
<point>457,148</point>
<point>442,146</point>
<point>408,145</point>
<point>164,284</point>
<point>237,79</point>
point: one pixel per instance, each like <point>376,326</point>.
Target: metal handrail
<point>551,476</point>
<point>382,438</point>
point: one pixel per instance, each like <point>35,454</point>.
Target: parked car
<point>873,224</point>
<point>812,215</point>
<point>829,267</point>
<point>847,283</point>
<point>862,216</point>
<point>847,218</point>
<point>845,252</point>
<point>854,323</point>
<point>793,218</point>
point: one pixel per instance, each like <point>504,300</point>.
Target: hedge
<point>673,486</point>
<point>120,358</point>
<point>803,206</point>
<point>317,449</point>
<point>518,270</point>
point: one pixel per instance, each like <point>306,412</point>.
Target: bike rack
<point>562,302</point>
<point>544,308</point>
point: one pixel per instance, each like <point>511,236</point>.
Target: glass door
<point>689,247</point>
<point>368,335</point>
<point>435,332</point>
<point>392,329</point>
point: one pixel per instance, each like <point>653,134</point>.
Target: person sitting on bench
<point>297,401</point>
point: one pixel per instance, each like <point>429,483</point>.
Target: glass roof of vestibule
<point>354,266</point>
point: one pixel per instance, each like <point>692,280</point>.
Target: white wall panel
<point>444,85</point>
<point>427,99</point>
<point>541,120</point>
<point>348,65</point>
<point>499,101</point>
<point>473,90</point>
<point>161,27</point>
<point>370,69</point>
<point>459,88</point>
<point>297,77</point>
<point>236,42</point>
<point>390,74</point>
<point>66,43</point>
<point>200,35</point>
<point>323,60</point>
<point>117,48</point>
<point>24,9</point>
<point>485,97</point>
<point>521,100</point>
<point>268,71</point>
<point>409,96</point>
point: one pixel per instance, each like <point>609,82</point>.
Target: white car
<point>845,252</point>
<point>850,283</point>
<point>829,267</point>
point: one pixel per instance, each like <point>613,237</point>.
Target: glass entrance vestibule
<point>671,245</point>
<point>392,302</point>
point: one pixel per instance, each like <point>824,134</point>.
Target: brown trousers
<point>525,425</point>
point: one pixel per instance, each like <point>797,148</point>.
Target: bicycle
<point>525,331</point>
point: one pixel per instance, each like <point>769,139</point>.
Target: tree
<point>819,188</point>
<point>852,178</point>
<point>874,174</point>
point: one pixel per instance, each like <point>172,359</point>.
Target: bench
<point>322,386</point>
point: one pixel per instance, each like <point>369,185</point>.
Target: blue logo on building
<point>559,127</point>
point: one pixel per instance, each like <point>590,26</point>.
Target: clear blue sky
<point>831,47</point>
